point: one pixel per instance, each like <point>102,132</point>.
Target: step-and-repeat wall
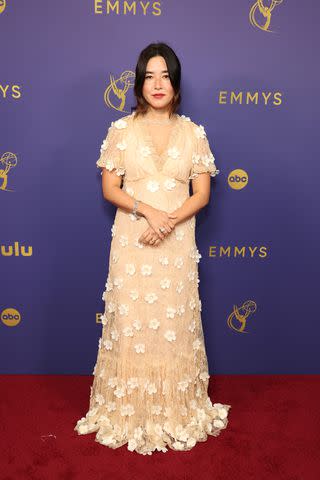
<point>250,77</point>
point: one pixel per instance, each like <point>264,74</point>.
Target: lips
<point>158,95</point>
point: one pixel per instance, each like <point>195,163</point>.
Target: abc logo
<point>2,5</point>
<point>238,179</point>
<point>10,317</point>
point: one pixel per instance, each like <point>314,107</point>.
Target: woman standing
<point>150,387</point>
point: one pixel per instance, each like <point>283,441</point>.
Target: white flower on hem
<point>140,347</point>
<point>134,294</point>
<point>173,152</point>
<point>164,260</point>
<point>112,382</point>
<point>201,414</point>
<point>151,297</point>
<point>153,185</point>
<point>222,411</point>
<point>165,283</point>
<point>151,389</point>
<point>127,410</point>
<point>200,131</point>
<point>191,442</point>
<point>178,262</point>
<point>99,399</point>
<point>121,145</point>
<point>119,124</point>
<point>193,404</point>
<point>137,433</point>
<point>115,335</point>
<point>146,269</point>
<point>107,344</point>
<point>156,410</point>
<point>123,240</point>
<point>183,385</point>
<point>170,335</point>
<point>137,324</point>
<point>109,285</point>
<point>130,268</point>
<point>111,406</point>
<point>204,376</point>
<point>119,392</point>
<point>169,184</point>
<point>179,234</point>
<point>123,309</point>
<point>132,444</point>
<point>92,412</point>
<point>145,151</point>
<point>171,312</point>
<point>127,331</point>
<point>218,423</point>
<point>180,310</point>
<point>154,323</point>
<point>192,303</point>
<point>196,344</point>
<point>179,286</point>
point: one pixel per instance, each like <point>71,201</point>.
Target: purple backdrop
<point>258,272</point>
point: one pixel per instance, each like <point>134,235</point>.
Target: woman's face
<point>157,81</point>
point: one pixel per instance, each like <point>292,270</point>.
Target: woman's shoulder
<point>194,128</point>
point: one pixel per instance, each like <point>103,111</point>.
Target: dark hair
<point>174,70</point>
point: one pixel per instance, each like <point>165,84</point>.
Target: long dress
<point>150,385</point>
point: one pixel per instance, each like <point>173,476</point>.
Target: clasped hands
<point>161,224</point>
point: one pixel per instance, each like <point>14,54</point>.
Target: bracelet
<point>135,207</point>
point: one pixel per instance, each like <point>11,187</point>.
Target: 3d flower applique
<point>118,282</point>
<point>134,294</point>
<point>169,184</point>
<point>151,388</point>
<point>200,305</point>
<point>111,406</point>
<point>196,158</point>
<point>187,119</point>
<point>119,124</point>
<point>183,385</point>
<point>165,283</point>
<point>178,262</point>
<point>156,410</point>
<point>137,324</point>
<point>151,297</point>
<point>195,254</point>
<point>123,240</point>
<point>204,376</point>
<point>221,410</point>
<point>127,410</point>
<point>179,234</point>
<point>103,319</point>
<point>180,310</point>
<point>115,335</point>
<point>164,260</point>
<point>192,303</point>
<point>115,256</point>
<point>140,348</point>
<point>121,145</point>
<point>179,287</point>
<point>99,399</point>
<point>111,307</point>
<point>173,152</point>
<point>104,146</point>
<point>127,331</point>
<point>130,268</point>
<point>99,343</point>
<point>200,131</point>
<point>112,382</point>
<point>191,275</point>
<point>132,383</point>
<point>146,269</point>
<point>123,309</point>
<point>119,392</point>
<point>108,344</point>
<point>92,412</point>
<point>208,160</point>
<point>196,344</point>
<point>113,230</point>
<point>145,151</point>
<point>170,335</point>
<point>138,244</point>
<point>192,326</point>
<point>94,371</point>
<point>171,312</point>
<point>183,411</point>
<point>133,218</point>
<point>109,284</point>
<point>153,186</point>
<point>154,323</point>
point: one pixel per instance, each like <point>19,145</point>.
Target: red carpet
<point>273,433</point>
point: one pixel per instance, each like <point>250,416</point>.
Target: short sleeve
<point>202,156</point>
<point>113,147</point>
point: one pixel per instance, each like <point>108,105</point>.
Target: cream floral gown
<point>150,386</point>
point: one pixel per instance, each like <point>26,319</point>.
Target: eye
<point>148,76</point>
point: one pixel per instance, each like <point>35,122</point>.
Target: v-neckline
<point>148,141</point>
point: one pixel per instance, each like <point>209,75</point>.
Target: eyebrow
<point>163,71</point>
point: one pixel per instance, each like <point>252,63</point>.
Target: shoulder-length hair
<point>174,70</point>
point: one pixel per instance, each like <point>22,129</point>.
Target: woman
<point>150,387</point>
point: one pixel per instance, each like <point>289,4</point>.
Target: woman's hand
<point>160,221</point>
<point>150,237</point>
